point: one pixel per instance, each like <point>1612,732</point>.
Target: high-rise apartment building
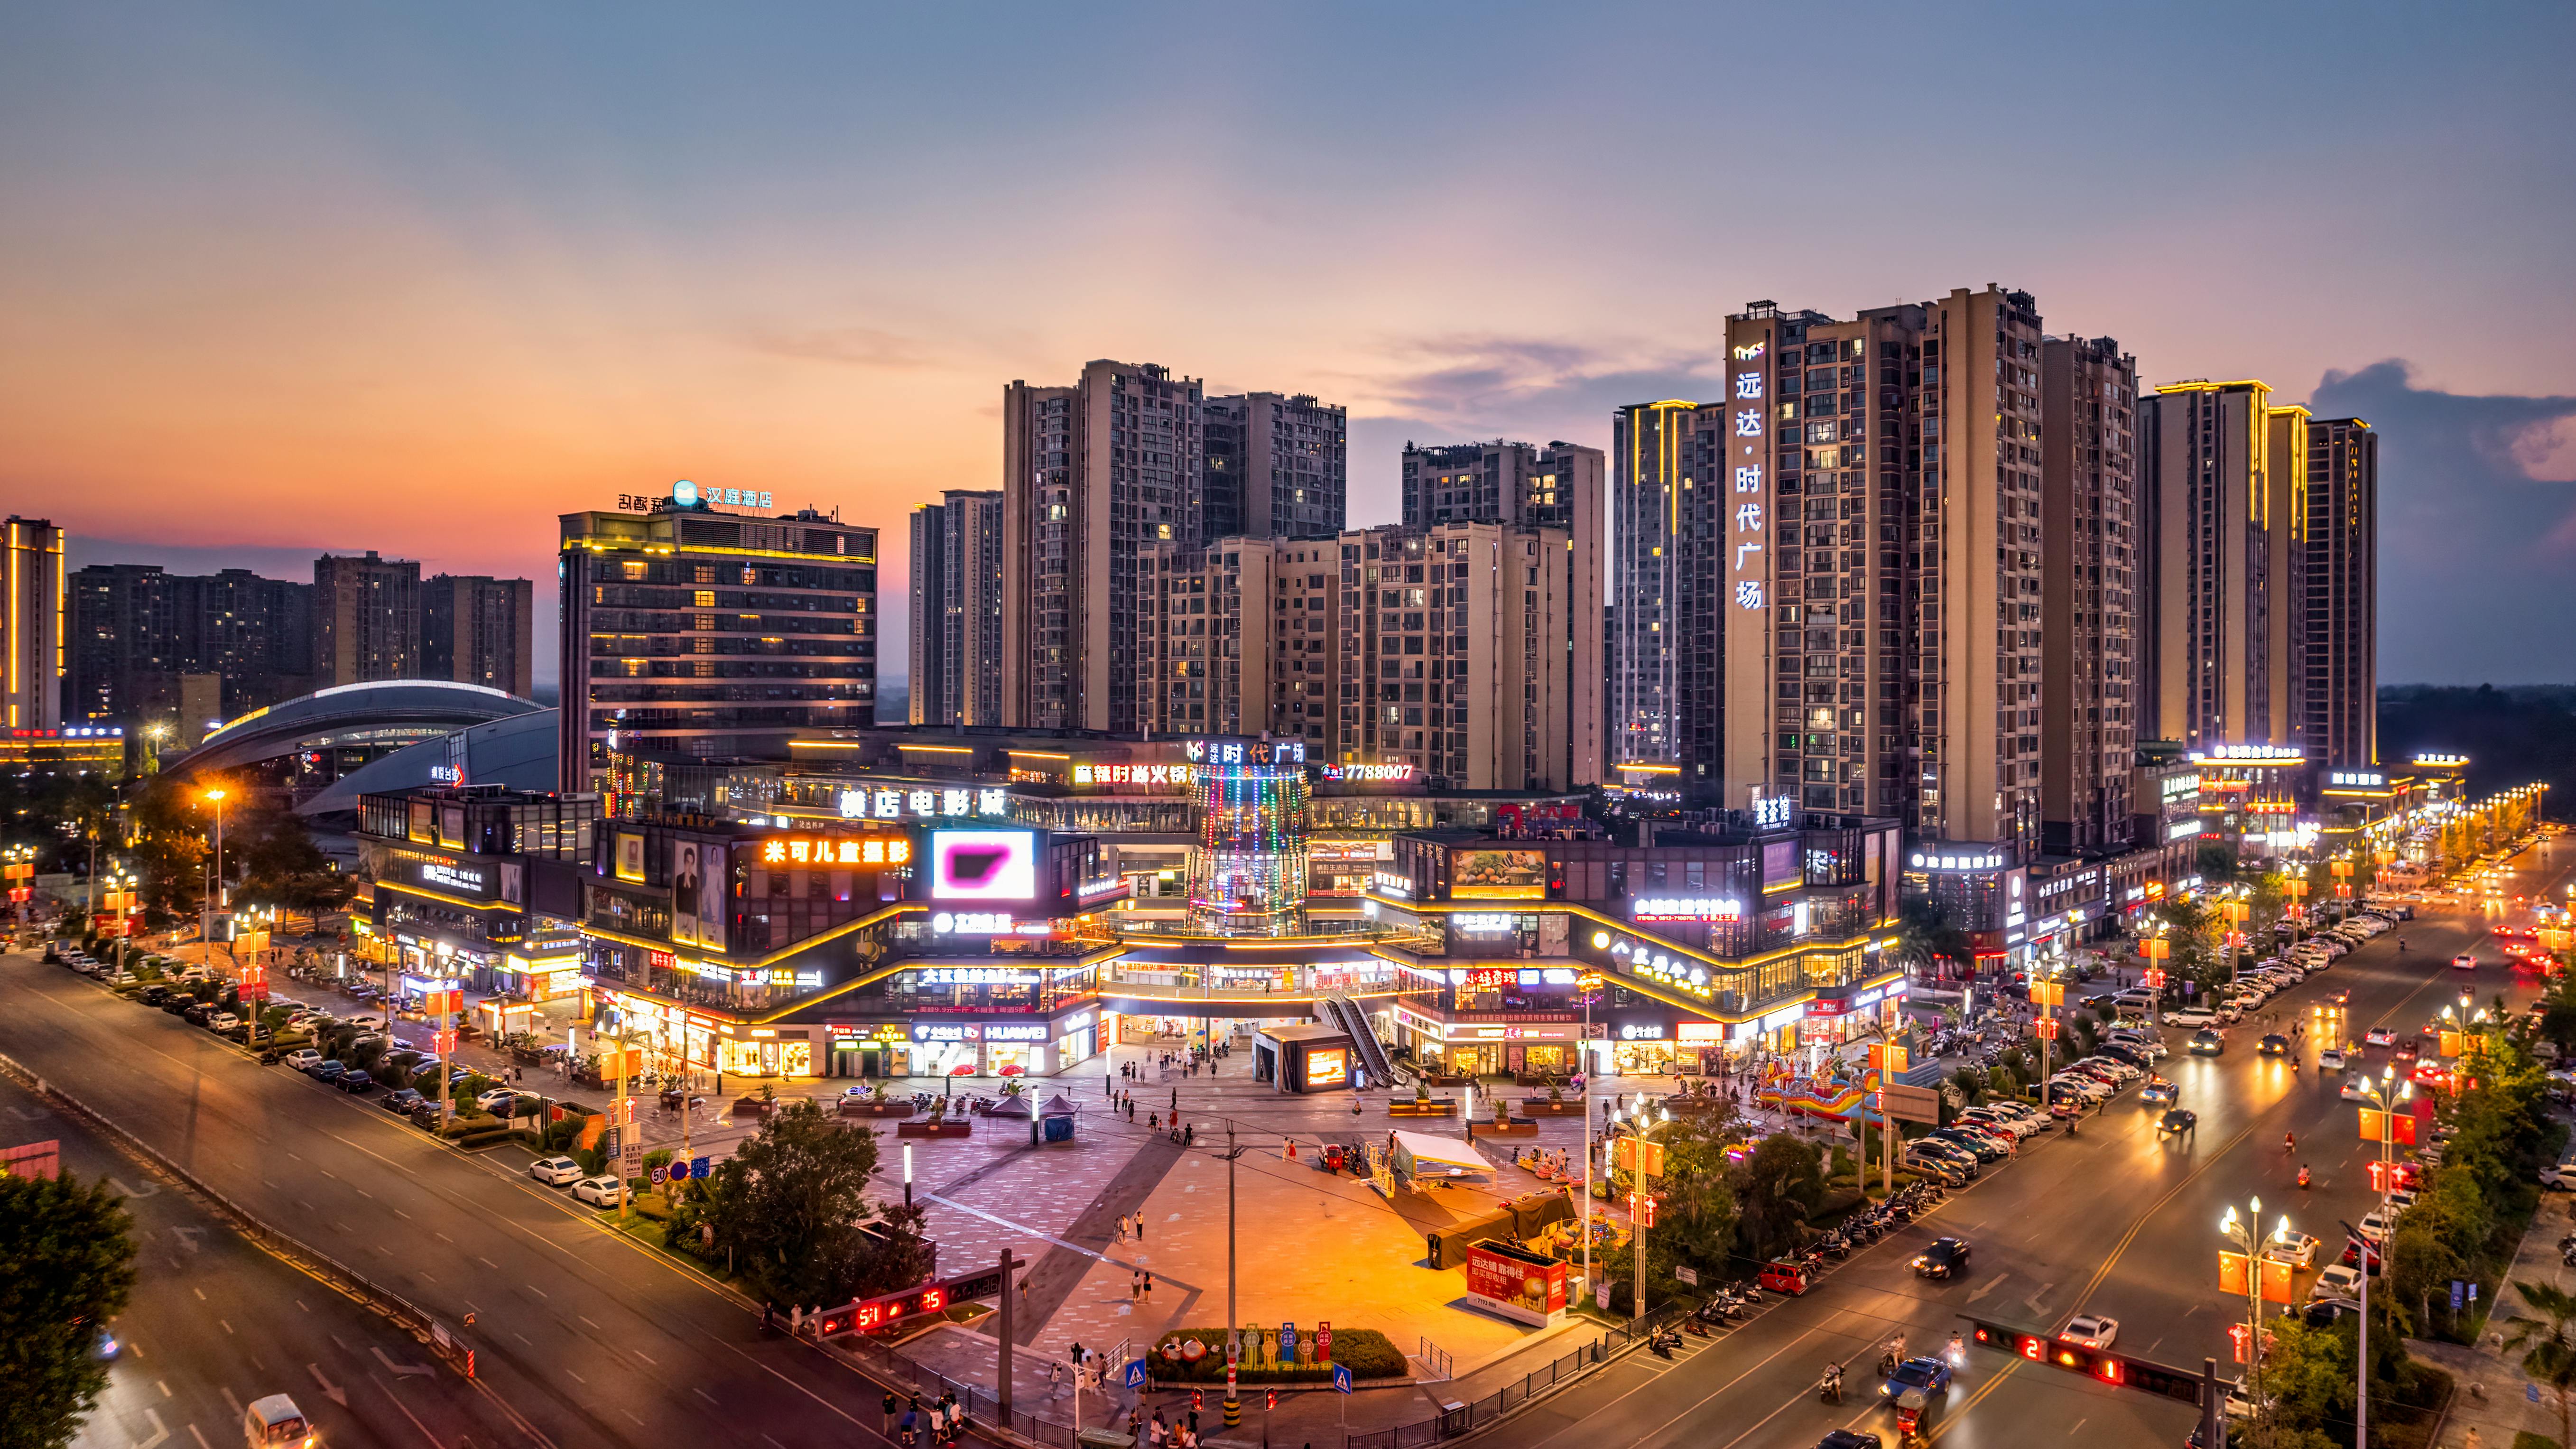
<point>1092,475</point>
<point>2219,465</point>
<point>479,629</point>
<point>1666,666</point>
<point>1277,467</point>
<point>1520,485</point>
<point>692,631</point>
<point>144,643</point>
<point>31,624</point>
<point>956,637</point>
<point>2337,709</point>
<point>1881,564</point>
<point>366,619</point>
<point>1440,648</point>
<point>2088,592</point>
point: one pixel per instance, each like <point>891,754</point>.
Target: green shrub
<point>2525,1439</point>
<point>1364,1351</point>
<point>483,1137</point>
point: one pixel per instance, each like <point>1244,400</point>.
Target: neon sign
<point>1681,909</point>
<point>888,850</point>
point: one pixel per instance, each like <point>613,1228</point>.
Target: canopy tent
<point>1417,1155</point>
<point>1058,1105</point>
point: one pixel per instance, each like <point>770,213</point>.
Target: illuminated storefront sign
<point>1957,862</point>
<point>1246,752</point>
<point>1481,923</point>
<point>974,923</point>
<point>920,804</point>
<point>1368,772</point>
<point>976,976</point>
<point>2254,754</point>
<point>1015,1031</point>
<point>1774,812</point>
<point>2359,779</point>
<point>1132,774</point>
<point>1508,978</point>
<point>1641,1031</point>
<point>1683,909</point>
<point>454,877</point>
<point>811,850</point>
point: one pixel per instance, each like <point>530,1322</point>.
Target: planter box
<point>951,1128</point>
<point>1537,1079</point>
<point>1409,1107</point>
<point>1542,1107</point>
<point>859,1107</point>
<point>1513,1129</point>
<point>750,1107</point>
<point>1440,1079</point>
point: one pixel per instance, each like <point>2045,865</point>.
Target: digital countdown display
<point>870,1314</point>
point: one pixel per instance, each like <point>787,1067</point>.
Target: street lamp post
<point>1640,1206</point>
<point>2247,1232</point>
<point>206,908</point>
<point>1233,1324</point>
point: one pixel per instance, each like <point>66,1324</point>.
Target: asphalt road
<point>588,1336</point>
<point>214,1322</point>
<point>2114,1221</point>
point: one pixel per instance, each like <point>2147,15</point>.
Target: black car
<point>354,1080</point>
<point>325,1069</point>
<point>1946,1258</point>
<point>402,1100</point>
<point>2275,1045</point>
<point>2207,1043</point>
<point>174,1005</point>
<point>2177,1120</point>
<point>153,995</point>
<point>2121,1052</point>
<point>1851,1439</point>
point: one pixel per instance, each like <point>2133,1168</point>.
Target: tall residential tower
<point>2088,589</point>
<point>956,657</point>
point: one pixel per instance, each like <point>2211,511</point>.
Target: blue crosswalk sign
<point>1341,1379</point>
<point>1135,1373</point>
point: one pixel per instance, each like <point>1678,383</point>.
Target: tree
<point>1928,934</point>
<point>282,867</point>
<point>2216,862</point>
<point>71,1264</point>
<point>791,1211</point>
<point>1776,1190</point>
<point>2547,1345</point>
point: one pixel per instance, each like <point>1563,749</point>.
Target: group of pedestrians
<point>944,1420</point>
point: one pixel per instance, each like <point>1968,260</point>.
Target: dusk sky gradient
<point>280,278</point>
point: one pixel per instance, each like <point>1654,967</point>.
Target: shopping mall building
<point>907,905</point>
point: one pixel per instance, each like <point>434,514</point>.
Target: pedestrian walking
<point>1135,1285</point>
<point>1140,1227</point>
<point>1149,1288</point>
<point>1190,1135</point>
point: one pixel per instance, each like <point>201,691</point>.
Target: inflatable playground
<point>1837,1094</point>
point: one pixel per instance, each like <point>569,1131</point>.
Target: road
<point>589,1336</point>
<point>2114,1221</point>
<point>216,1322</point>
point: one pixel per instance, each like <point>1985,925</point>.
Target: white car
<point>221,1021</point>
<point>555,1171</point>
<point>600,1191</point>
<point>2465,961</point>
<point>368,1022</point>
<point>2374,1228</point>
<point>2299,1250</point>
<point>2190,1016</point>
<point>301,1059</point>
<point>2331,1059</point>
<point>486,1101</point>
<point>2337,1281</point>
<point>2380,1036</point>
<point>2091,1330</point>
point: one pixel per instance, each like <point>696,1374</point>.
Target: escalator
<point>1342,1012</point>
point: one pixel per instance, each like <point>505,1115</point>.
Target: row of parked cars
<point>1978,1136</point>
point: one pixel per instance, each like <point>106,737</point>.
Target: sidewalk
<point>2493,1393</point>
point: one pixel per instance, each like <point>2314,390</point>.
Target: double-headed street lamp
<point>2247,1232</point>
<point>1645,1155</point>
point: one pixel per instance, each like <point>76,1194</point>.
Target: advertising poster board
<point>1328,1067</point>
<point>1517,1285</point>
<point>983,865</point>
<point>1498,874</point>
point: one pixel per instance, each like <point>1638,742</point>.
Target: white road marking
<point>160,1431</point>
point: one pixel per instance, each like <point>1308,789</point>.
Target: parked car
<point>301,1059</point>
<point>355,1081</point>
<point>600,1191</point>
<point>401,1101</point>
<point>555,1171</point>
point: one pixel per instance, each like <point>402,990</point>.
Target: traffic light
<point>2098,1364</point>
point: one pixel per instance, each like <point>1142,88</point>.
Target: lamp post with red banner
<point>2158,951</point>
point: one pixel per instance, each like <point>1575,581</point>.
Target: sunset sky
<point>283,278</point>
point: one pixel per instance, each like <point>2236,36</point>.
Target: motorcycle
<point>2303,1177</point>
<point>1830,1388</point>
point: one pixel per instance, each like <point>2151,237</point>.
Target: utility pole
<point>1233,1325</point>
<point>1002,1381</point>
<point>2361,1398</point>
